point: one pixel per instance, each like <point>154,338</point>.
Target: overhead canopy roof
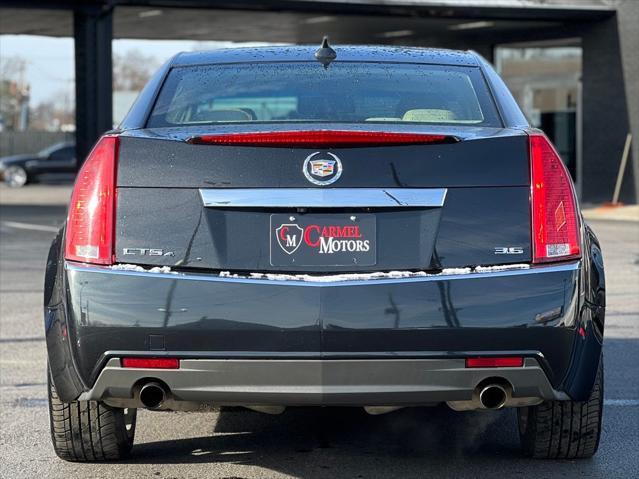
<point>305,21</point>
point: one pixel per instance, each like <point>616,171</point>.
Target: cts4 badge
<point>322,168</point>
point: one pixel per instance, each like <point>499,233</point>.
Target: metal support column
<point>93,31</point>
<point>605,115</point>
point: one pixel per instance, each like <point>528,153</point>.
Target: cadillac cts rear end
<point>361,227</point>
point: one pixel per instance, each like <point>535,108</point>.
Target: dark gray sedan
<point>361,227</point>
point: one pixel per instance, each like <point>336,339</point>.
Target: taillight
<point>91,217</point>
<point>320,139</point>
<point>555,219</point>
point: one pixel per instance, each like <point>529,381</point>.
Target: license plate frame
<point>323,240</point>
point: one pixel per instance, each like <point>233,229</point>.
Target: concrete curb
<point>613,213</point>
<point>36,195</point>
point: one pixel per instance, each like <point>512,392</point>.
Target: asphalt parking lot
<point>335,443</point>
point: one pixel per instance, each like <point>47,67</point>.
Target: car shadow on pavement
<point>420,431</point>
<point>347,442</point>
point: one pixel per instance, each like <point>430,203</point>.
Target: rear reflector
<point>151,363</point>
<point>495,362</point>
<point>320,139</point>
<point>91,217</point>
<point>555,219</point>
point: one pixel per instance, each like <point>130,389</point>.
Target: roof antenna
<point>325,54</point>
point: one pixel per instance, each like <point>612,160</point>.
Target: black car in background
<point>366,227</point>
<point>54,163</point>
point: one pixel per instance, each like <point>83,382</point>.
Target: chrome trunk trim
<point>323,198</point>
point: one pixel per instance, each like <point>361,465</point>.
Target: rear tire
<point>563,429</point>
<point>89,431</point>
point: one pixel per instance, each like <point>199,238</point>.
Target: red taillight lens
<point>91,217</point>
<point>320,139</point>
<point>495,362</point>
<point>151,363</point>
<point>555,220</point>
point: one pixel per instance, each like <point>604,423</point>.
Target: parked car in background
<point>54,163</point>
<point>368,227</point>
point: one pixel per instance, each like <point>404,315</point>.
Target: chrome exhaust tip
<point>152,395</point>
<point>493,396</point>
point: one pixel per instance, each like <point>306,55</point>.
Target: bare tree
<point>14,93</point>
<point>132,70</point>
<point>55,113</point>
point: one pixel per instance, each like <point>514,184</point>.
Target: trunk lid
<point>477,213</point>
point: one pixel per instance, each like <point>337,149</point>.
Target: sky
<point>50,63</point>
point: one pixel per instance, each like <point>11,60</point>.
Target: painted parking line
<point>621,402</point>
<point>30,226</point>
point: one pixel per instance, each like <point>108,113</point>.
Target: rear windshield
<point>307,92</point>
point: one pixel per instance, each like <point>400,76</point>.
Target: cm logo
<point>289,237</point>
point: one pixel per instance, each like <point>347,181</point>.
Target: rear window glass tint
<point>307,92</point>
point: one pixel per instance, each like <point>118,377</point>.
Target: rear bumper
<point>369,382</point>
<point>259,324</point>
